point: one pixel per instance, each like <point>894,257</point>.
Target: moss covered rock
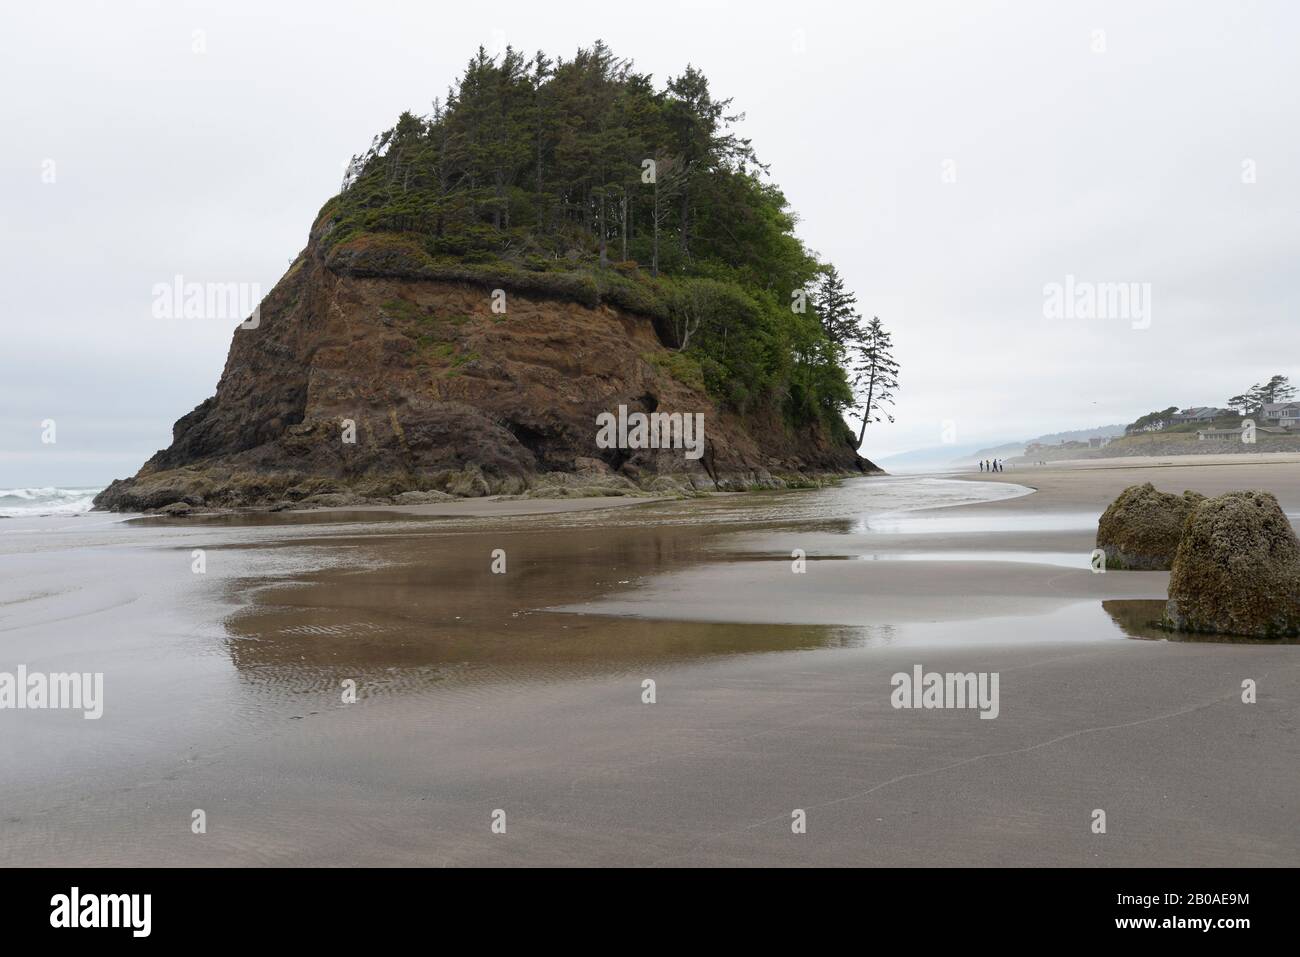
<point>1142,528</point>
<point>1237,570</point>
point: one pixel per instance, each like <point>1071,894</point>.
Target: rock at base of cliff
<point>1142,528</point>
<point>1237,570</point>
<point>429,497</point>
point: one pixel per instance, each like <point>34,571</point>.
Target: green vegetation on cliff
<point>578,178</point>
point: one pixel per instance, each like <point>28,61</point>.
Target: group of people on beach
<point>991,465</point>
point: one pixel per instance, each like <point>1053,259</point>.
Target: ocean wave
<point>26,502</point>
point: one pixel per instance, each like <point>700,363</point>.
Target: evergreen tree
<point>1277,389</point>
<point>1151,422</point>
<point>875,374</point>
<point>669,181</point>
<point>837,309</point>
<point>1240,404</point>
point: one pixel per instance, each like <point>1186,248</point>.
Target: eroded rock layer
<point>437,392</point>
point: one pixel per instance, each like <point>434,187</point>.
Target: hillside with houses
<point>1264,418</point>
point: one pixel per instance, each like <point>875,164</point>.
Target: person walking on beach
<point>981,465</point>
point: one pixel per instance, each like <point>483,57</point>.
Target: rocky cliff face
<point>364,383</point>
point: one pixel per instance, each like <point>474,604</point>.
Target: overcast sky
<point>952,158</point>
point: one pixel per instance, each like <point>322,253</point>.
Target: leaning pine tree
<point>875,374</point>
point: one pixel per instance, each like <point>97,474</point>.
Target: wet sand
<point>969,572</point>
<point>523,691</point>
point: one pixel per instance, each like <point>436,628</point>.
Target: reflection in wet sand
<point>419,606</point>
<point>1139,618</point>
<point>433,613</point>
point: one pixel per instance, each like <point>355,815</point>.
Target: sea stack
<point>461,317</point>
<point>1141,529</point>
<point>1237,571</point>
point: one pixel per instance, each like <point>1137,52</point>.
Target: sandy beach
<point>523,691</point>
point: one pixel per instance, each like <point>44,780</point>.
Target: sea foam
<point>26,502</point>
